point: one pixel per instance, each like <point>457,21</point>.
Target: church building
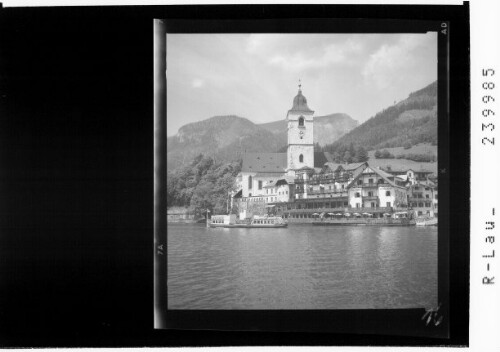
<point>264,169</point>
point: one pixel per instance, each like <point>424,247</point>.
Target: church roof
<point>264,162</point>
<point>300,103</point>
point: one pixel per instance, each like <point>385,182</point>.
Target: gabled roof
<point>347,167</point>
<point>379,172</point>
<point>405,170</point>
<point>285,180</point>
<point>264,162</point>
<point>354,166</point>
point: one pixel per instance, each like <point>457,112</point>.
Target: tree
<point>386,154</point>
<point>347,157</point>
<point>407,145</point>
<point>361,155</point>
<point>378,154</point>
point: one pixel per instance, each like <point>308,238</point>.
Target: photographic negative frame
<point>395,322</point>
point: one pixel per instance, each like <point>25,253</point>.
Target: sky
<point>256,76</point>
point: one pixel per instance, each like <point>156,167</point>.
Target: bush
<point>386,154</point>
<point>407,145</point>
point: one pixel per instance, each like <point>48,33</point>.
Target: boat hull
<point>426,222</point>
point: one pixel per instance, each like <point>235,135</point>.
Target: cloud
<point>303,52</point>
<point>197,83</point>
<point>408,57</point>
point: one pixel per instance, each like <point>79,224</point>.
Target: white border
<point>484,324</point>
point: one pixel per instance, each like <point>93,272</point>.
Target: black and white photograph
<point>302,171</point>
<point>247,176</point>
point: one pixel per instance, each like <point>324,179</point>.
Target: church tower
<point>299,119</point>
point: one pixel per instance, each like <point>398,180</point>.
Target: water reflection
<point>301,267</point>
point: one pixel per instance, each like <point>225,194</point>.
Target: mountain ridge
<point>410,121</point>
<point>227,137</point>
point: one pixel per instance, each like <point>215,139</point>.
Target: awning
<point>387,214</point>
<point>315,214</point>
<point>270,206</point>
<point>347,214</point>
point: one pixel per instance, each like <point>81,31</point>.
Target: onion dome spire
<point>300,101</point>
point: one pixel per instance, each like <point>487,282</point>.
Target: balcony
<point>328,192</point>
<point>419,199</point>
<point>369,198</point>
<point>372,185</point>
<point>314,210</point>
<point>370,210</point>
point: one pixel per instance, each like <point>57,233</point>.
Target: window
<point>249,194</point>
<point>387,193</point>
<point>249,182</point>
<point>357,205</point>
<point>301,158</point>
<point>388,204</point>
<point>373,204</point>
<point>420,204</point>
<point>419,213</point>
<point>370,194</point>
<point>370,180</point>
<point>356,195</point>
<point>260,184</point>
<point>360,182</point>
<point>426,196</point>
<point>301,121</point>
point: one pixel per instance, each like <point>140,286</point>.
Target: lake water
<point>301,267</point>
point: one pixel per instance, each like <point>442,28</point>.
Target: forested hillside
<point>411,121</point>
<point>202,184</point>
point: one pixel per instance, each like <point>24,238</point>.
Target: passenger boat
<point>255,221</point>
<point>426,221</point>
